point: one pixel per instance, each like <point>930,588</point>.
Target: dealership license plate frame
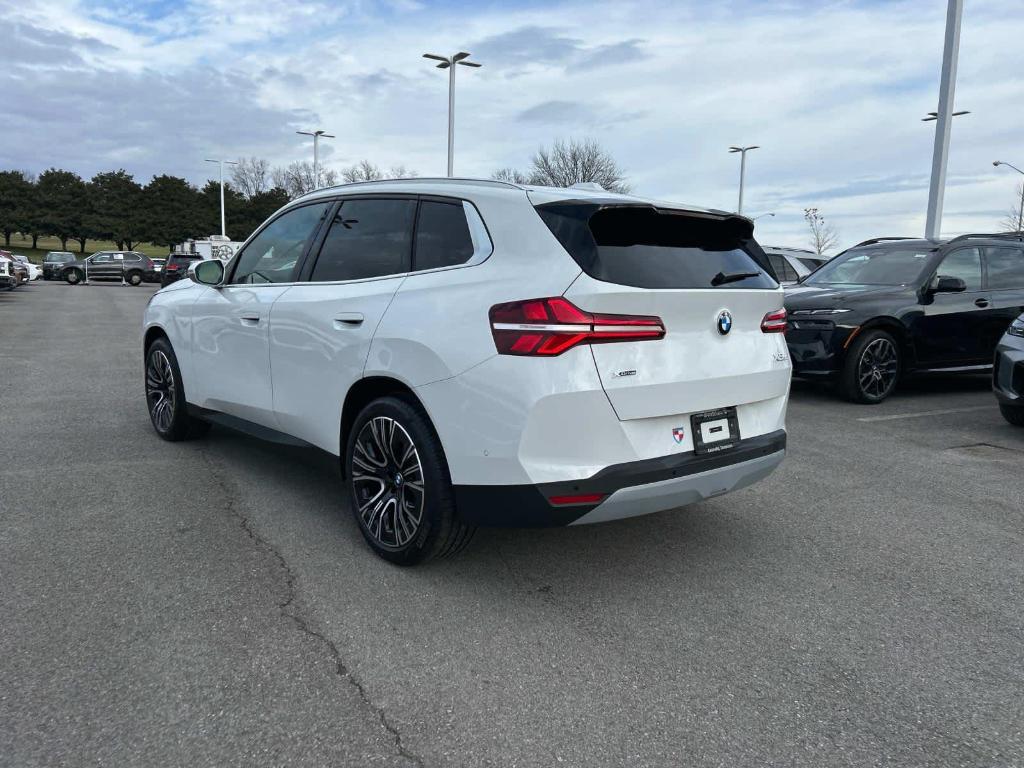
<point>702,446</point>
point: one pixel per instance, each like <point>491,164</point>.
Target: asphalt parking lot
<point>212,603</point>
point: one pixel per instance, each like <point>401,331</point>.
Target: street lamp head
<point>735,149</point>
<point>997,162</point>
<point>460,56</point>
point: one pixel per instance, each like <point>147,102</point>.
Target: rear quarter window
<point>643,247</point>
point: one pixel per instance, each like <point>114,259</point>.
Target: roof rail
<point>418,180</point>
<point>874,240</point>
<point>983,236</point>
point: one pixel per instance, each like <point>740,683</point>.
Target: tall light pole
<point>317,134</point>
<point>944,119</point>
<point>223,222</point>
<point>1020,212</point>
<point>449,63</point>
<point>743,169</point>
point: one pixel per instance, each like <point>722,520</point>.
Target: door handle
<point>346,320</point>
<point>981,302</point>
<point>249,319</point>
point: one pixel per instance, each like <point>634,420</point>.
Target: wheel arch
<point>896,329</point>
<point>153,333</point>
<point>365,391</point>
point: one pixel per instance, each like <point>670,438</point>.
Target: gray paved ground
<point>212,603</point>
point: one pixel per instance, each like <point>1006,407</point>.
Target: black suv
<point>109,265</point>
<point>891,306</point>
<point>54,262</point>
<point>177,267</point>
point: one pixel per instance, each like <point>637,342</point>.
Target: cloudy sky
<point>832,90</point>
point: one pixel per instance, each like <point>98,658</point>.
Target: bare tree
<point>251,176</point>
<point>576,161</point>
<point>823,234</point>
<point>297,178</point>
<point>364,170</point>
<point>1015,216</point>
<point>511,175</point>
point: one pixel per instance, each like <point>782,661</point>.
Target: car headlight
<point>1016,328</point>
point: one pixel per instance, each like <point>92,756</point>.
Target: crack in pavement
<point>341,669</point>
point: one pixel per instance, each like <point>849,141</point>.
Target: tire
<point>872,368</point>
<point>73,276</point>
<point>390,445</point>
<point>134,278</point>
<point>1013,414</point>
<point>165,396</point>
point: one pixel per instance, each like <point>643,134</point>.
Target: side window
<point>965,264</point>
<point>132,257</point>
<point>101,258</point>
<point>442,236</point>
<point>1005,268</point>
<point>272,255</point>
<point>783,269</point>
<point>367,238</point>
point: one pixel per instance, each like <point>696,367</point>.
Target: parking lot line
<point>942,412</point>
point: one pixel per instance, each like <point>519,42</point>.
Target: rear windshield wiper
<point>733,277</point>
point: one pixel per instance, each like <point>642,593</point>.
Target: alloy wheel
<point>160,389</point>
<point>877,368</point>
<point>387,478</point>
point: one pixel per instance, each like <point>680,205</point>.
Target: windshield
<point>872,267</point>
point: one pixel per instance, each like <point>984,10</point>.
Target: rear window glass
<point>644,248</point>
<point>184,258</point>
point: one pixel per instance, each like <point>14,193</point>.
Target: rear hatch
<point>707,280</point>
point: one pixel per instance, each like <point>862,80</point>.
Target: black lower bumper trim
<point>527,506</point>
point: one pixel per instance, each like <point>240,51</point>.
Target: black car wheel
<point>134,278</point>
<point>1013,414</point>
<point>73,276</point>
<point>399,485</point>
<point>165,397</point>
<point>872,368</point>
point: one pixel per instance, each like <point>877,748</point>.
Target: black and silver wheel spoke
<point>160,389</point>
<point>878,367</point>
<point>388,481</point>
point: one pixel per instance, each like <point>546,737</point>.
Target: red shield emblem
<point>678,434</point>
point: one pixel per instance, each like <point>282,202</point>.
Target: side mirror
<point>207,272</point>
<point>946,284</point>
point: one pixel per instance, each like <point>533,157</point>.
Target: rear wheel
<point>1013,414</point>
<point>872,368</point>
<point>165,397</point>
<point>399,485</point>
<point>73,276</point>
<point>134,278</point>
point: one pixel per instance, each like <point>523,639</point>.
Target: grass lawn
<point>23,245</point>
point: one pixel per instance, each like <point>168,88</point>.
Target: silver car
<point>793,264</point>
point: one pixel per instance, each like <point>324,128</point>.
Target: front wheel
<point>165,397</point>
<point>872,368</point>
<point>1013,414</point>
<point>73,276</point>
<point>399,485</point>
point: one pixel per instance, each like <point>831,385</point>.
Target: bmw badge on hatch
<point>724,322</point>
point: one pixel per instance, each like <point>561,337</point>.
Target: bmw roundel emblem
<point>724,322</point>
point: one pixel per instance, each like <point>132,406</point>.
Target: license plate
<point>714,431</point>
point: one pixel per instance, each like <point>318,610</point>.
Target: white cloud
<point>832,91</point>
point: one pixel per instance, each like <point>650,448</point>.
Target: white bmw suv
<point>479,353</point>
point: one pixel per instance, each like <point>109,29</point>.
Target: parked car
<point>793,264</point>
<point>16,268</point>
<point>893,306</point>
<point>54,262</point>
<point>177,267</point>
<point>109,265</point>
<point>34,272</point>
<point>483,353</point>
<point>153,275</point>
<point>1008,373</point>
<point>8,278</point>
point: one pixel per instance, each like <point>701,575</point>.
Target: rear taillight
<point>580,498</point>
<point>549,327</point>
<point>774,321</point>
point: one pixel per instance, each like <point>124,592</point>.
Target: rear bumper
<point>635,488</point>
